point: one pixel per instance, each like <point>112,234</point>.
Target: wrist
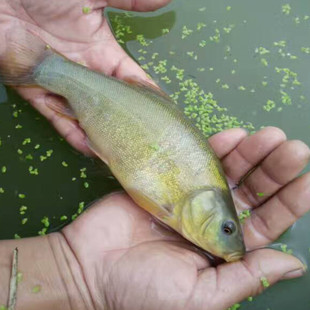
<point>51,276</point>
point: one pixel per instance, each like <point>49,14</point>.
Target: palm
<point>148,259</point>
<point>132,262</point>
<point>84,38</point>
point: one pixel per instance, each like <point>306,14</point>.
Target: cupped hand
<point>84,38</point>
<point>131,262</point>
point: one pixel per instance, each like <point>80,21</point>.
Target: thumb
<point>249,277</point>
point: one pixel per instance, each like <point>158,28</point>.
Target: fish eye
<point>228,227</point>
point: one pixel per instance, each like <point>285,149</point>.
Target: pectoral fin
<point>148,204</point>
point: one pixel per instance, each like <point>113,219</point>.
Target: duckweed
<point>202,43</point>
<point>234,307</point>
<point>216,37</point>
<point>29,157</point>
<point>42,232</point>
<point>36,289</point>
<point>20,277</point>
<point>305,50</point>
<point>286,9</point>
<point>26,141</point>
<point>281,43</point>
<point>285,98</point>
<point>33,171</point>
<point>86,10</point>
<point>83,173</point>
<point>264,282</point>
<point>244,215</point>
<point>45,221</point>
<point>23,209</point>
<point>81,207</point>
<point>228,29</point>
<point>284,249</point>
<point>270,104</point>
<point>261,194</point>
<point>141,39</point>
<point>186,32</point>
<point>200,26</point>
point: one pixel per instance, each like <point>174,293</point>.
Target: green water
<point>59,185</point>
<point>218,60</point>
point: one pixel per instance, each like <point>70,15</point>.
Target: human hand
<point>130,262</point>
<point>84,38</point>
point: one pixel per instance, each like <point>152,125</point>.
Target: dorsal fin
<point>138,82</point>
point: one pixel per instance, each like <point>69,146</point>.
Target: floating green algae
<point>220,33</point>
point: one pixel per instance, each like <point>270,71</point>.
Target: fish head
<point>209,220</point>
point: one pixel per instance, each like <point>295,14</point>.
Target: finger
<point>138,5</point>
<point>278,169</point>
<point>269,221</point>
<point>239,280</point>
<point>226,141</point>
<point>127,69</point>
<point>68,128</point>
<point>120,65</point>
<point>251,151</point>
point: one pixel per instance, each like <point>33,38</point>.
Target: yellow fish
<point>163,162</point>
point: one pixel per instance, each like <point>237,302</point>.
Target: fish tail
<point>24,53</point>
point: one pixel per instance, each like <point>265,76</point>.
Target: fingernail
<point>294,274</point>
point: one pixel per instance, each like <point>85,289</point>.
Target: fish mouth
<point>233,257</point>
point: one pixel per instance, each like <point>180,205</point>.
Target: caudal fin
<point>24,52</point>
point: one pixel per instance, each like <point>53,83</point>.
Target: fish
<point>160,158</point>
